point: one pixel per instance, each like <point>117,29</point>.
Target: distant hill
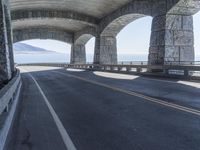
<point>22,48</point>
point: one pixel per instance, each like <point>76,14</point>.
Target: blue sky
<point>133,39</point>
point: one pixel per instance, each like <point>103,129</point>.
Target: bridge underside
<point>75,22</point>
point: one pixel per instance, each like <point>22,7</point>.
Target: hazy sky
<point>132,39</point>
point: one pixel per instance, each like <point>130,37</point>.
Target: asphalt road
<point>62,110</point>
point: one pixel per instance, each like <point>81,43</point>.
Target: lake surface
<point>63,58</point>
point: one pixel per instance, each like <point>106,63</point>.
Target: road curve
<point>96,117</point>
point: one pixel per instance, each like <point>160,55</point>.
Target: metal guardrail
<point>186,71</point>
<point>8,91</point>
<point>133,63</point>
<point>127,63</point>
<point>107,67</point>
<point>183,63</point>
<point>113,68</point>
<point>183,71</point>
<point>189,70</point>
<point>8,101</point>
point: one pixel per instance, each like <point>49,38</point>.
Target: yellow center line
<point>154,100</point>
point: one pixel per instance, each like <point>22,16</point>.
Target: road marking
<point>154,100</point>
<point>65,136</point>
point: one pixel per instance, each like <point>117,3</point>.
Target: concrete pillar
<point>105,50</point>
<point>5,68</point>
<point>9,37</point>
<point>172,39</point>
<point>97,51</point>
<point>78,54</point>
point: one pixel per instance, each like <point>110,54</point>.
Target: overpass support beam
<point>172,39</point>
<point>105,50</point>
<point>6,53</point>
<point>78,54</point>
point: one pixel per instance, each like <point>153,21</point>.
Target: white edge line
<point>65,136</point>
<point>155,100</point>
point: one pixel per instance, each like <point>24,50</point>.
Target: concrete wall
<point>42,33</point>
<point>6,55</point>
<point>28,14</point>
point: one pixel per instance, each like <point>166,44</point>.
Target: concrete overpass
<point>75,22</point>
<point>127,112</point>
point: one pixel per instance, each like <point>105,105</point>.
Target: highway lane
<point>100,118</point>
<point>184,93</point>
<point>34,127</point>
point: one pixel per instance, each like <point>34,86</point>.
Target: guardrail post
<point>139,70</point>
<point>166,71</point>
<point>119,68</point>
<point>111,68</point>
<point>128,69</point>
<point>186,73</point>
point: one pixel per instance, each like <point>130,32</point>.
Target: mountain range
<point>22,48</point>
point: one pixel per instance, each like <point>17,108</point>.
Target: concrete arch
<point>83,39</point>
<point>184,7</point>
<point>78,51</point>
<point>111,25</point>
<point>85,31</point>
<point>107,51</point>
<point>126,14</point>
<point>118,24</point>
<point>42,33</point>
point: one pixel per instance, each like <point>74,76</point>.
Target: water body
<point>63,58</point>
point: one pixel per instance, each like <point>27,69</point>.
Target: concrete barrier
<point>9,96</point>
<point>189,71</point>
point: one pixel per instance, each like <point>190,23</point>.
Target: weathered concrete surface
<point>65,20</point>
<point>169,25</point>
<point>78,50</point>
<point>185,7</point>
<point>105,50</point>
<point>6,57</point>
<point>80,40</point>
<point>78,54</point>
<point>53,14</point>
<point>42,33</point>
<point>94,8</point>
<point>172,39</point>
<point>85,34</point>
<point>10,37</point>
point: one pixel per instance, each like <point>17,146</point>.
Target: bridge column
<point>105,50</point>
<point>78,54</point>
<point>9,37</point>
<point>172,39</point>
<point>5,62</point>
